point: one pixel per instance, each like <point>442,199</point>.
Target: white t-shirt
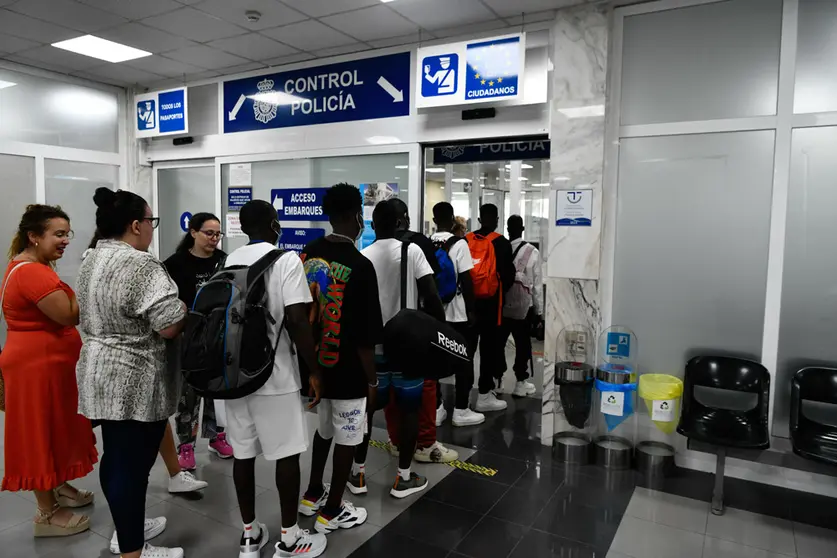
<point>286,285</point>
<point>385,256</point>
<point>460,255</point>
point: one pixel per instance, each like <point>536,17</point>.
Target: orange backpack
<point>484,274</point>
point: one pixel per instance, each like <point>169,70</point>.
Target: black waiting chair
<point>714,411</point>
<point>812,438</point>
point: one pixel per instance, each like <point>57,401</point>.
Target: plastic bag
<point>576,400</point>
<point>662,394</point>
<point>616,399</point>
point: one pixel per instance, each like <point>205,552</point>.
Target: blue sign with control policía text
<point>298,204</point>
<point>364,89</point>
<point>238,197</point>
<point>296,239</point>
<point>185,217</point>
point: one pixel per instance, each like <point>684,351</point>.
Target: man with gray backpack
<point>240,346</point>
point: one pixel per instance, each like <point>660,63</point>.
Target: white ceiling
<point>199,39</point>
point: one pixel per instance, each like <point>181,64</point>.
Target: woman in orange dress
<point>47,442</point>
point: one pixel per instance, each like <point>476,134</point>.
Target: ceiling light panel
<point>95,47</point>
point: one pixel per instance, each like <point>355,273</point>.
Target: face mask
<point>360,226</point>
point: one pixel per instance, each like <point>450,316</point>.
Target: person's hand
<point>371,399</point>
<point>315,390</point>
<point>427,69</point>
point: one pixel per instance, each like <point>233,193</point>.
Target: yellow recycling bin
<point>662,394</point>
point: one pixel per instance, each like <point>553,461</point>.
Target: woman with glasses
<point>129,316</point>
<point>47,442</point>
<point>196,259</point>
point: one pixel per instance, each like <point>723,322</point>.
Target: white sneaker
<point>252,548</point>
<point>467,417</point>
<point>487,402</point>
<point>153,527</point>
<point>349,517</point>
<point>149,551</point>
<point>308,507</point>
<point>392,449</point>
<point>184,481</point>
<point>306,545</point>
<point>437,453</point>
<point>441,415</point>
<point>523,388</point>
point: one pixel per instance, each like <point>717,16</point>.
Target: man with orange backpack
<point>493,275</point>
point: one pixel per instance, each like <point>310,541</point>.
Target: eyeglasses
<point>155,221</point>
<point>69,235</point>
<point>213,234</point>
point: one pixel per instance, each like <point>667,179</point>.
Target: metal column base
<point>571,447</point>
<point>654,459</point>
<point>613,452</point>
<point>718,492</point>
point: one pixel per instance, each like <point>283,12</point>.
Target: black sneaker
<point>357,483</point>
<point>250,547</point>
<point>403,488</point>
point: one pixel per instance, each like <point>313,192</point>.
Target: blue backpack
<point>447,280</point>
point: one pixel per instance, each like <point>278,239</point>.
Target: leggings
<point>130,449</point>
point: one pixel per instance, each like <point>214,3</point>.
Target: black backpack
<point>226,350</point>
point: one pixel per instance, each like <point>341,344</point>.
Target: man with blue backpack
<point>456,290</point>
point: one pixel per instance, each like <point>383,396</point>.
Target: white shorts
<point>342,419</point>
<point>269,425</point>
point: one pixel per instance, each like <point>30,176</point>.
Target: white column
<point>515,188</point>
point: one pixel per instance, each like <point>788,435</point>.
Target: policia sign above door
<point>483,152</point>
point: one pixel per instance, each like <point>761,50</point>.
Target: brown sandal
<point>81,499</point>
<point>44,527</point>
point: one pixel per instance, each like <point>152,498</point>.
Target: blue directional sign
<point>296,239</point>
<point>184,221</point>
<point>172,111</point>
<point>238,197</point>
<point>299,204</point>
<point>364,89</point>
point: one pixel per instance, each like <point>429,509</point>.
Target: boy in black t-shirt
<point>347,316</point>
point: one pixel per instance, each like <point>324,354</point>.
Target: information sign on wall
<point>471,72</point>
<point>574,208</point>
<point>505,151</point>
<point>364,89</point>
<point>296,239</point>
<point>298,204</point>
<point>238,197</point>
<point>161,113</point>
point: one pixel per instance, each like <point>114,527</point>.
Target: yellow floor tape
<point>462,465</point>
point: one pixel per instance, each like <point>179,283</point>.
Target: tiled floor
<point>207,524</point>
<point>661,525</point>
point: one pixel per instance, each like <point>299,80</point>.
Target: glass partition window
<point>816,73</point>
<point>809,291</point>
<point>72,185</point>
<point>18,191</point>
<point>51,112</point>
<point>473,184</point>
<point>704,62</point>
<point>692,232</point>
<point>323,172</point>
<point>179,191</point>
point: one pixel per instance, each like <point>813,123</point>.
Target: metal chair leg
<point>718,492</point>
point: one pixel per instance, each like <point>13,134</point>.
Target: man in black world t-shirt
<point>347,316</point>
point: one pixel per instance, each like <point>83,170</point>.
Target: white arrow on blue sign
<point>184,221</point>
<point>364,89</point>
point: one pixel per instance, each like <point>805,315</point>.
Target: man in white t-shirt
<point>385,255</point>
<point>271,421</point>
<point>459,312</point>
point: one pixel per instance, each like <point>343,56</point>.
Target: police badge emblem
<point>264,111</point>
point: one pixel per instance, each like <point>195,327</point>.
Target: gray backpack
<point>226,348</point>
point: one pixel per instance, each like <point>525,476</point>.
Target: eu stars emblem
<point>493,69</point>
